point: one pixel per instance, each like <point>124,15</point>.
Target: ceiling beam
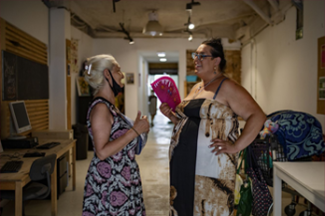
<point>141,35</point>
<point>274,4</point>
<point>73,7</point>
<point>258,11</point>
<point>229,19</point>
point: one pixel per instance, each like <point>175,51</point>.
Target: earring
<point>215,70</point>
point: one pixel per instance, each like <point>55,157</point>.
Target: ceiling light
<point>191,26</point>
<point>153,27</point>
<point>128,37</point>
<point>163,59</point>
<point>189,7</point>
<point>190,38</point>
<point>161,54</point>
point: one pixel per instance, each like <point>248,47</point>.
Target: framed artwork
<point>74,56</point>
<point>321,88</point>
<point>321,76</point>
<point>129,78</point>
<point>83,87</point>
<point>322,56</point>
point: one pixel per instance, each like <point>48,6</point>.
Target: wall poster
<point>321,76</point>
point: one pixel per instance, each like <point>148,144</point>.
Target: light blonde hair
<point>94,67</point>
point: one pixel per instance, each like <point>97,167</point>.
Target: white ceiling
<point>213,18</point>
<point>151,56</point>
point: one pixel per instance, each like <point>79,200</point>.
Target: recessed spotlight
<point>163,59</point>
<point>161,54</point>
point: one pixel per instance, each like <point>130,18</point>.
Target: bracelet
<point>135,131</point>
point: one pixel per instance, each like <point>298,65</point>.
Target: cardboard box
<point>53,134</point>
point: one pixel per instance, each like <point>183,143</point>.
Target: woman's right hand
<point>166,110</point>
<point>141,125</point>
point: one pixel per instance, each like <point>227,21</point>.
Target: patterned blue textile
<point>299,133</point>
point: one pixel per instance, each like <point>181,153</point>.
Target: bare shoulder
<point>100,110</point>
<point>231,89</point>
<point>230,84</point>
<point>100,107</point>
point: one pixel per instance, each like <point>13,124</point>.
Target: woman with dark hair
<point>205,142</point>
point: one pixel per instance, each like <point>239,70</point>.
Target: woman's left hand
<point>221,146</point>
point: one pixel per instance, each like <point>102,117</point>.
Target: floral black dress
<point>113,186</point>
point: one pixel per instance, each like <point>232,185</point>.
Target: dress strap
<point>215,95</point>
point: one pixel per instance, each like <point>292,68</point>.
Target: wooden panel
<point>37,110</point>
<point>233,66</point>
<point>22,44</point>
<point>163,65</point>
<point>190,67</point>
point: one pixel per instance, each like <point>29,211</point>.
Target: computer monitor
<point>19,119</point>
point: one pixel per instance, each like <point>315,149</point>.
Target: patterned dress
<point>202,183</point>
<point>113,186</point>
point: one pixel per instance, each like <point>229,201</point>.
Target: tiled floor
<point>154,169</point>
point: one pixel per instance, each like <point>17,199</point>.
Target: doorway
<point>155,71</point>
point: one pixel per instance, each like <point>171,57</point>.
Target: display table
<point>307,178</point>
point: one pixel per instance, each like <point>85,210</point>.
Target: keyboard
<point>11,167</point>
<point>48,145</point>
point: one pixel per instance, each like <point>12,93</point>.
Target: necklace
<point>201,88</point>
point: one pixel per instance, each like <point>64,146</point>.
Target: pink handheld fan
<point>167,92</point>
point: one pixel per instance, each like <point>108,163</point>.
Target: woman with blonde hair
<point>113,183</point>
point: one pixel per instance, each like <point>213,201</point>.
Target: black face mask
<point>116,88</point>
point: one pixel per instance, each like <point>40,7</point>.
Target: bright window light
<point>163,59</point>
<point>161,54</point>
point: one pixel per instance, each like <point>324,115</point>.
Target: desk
<point>305,177</point>
<point>16,181</point>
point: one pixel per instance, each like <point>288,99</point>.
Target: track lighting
<point>190,38</point>
<point>114,10</point>
<point>128,37</point>
<point>189,5</point>
<point>191,26</point>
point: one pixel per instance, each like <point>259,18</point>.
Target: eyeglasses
<point>200,56</point>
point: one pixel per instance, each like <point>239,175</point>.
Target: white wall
<point>280,71</point>
<point>31,17</point>
<point>128,57</point>
<point>85,50</point>
<point>60,30</point>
